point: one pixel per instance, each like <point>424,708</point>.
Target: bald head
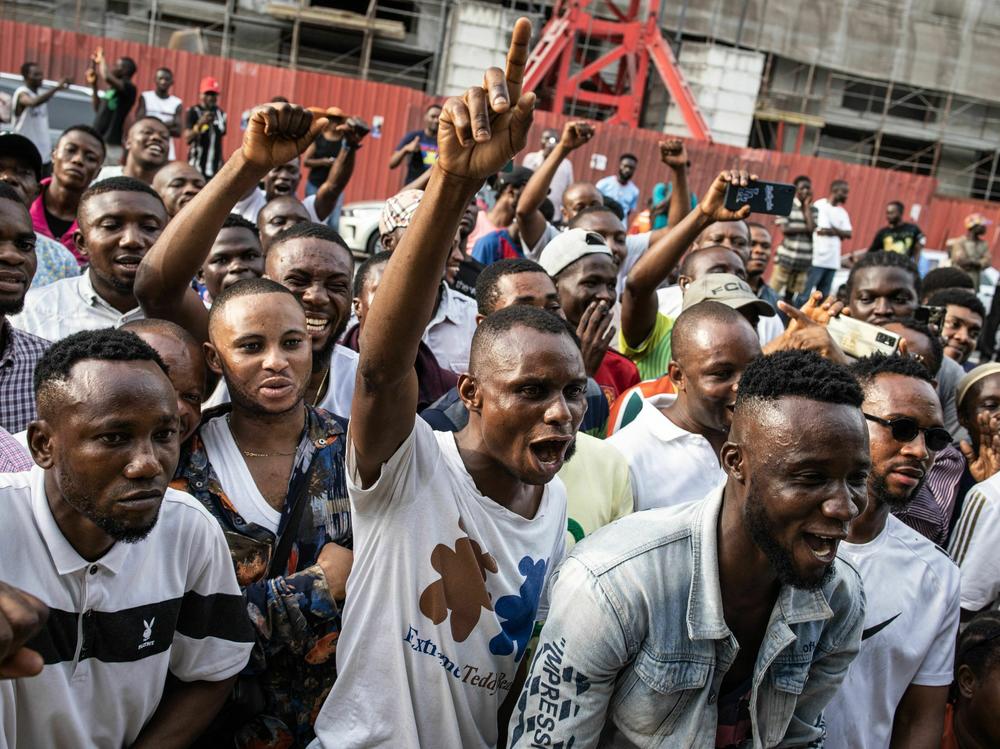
<point>714,258</point>
<point>707,326</point>
<point>580,196</point>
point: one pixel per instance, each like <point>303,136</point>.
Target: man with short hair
<point>963,322</point>
<point>791,266</point>
<point>114,103</point>
<point>418,147</point>
<point>833,226</point>
<point>971,252</point>
<point>146,627</point>
<point>724,622</point>
<point>583,268</point>
<point>158,102</point>
<point>496,236</point>
<point>119,220</point>
<point>757,262</point>
<point>21,169</point>
<point>563,176</point>
<point>204,128</point>
<point>19,351</point>
<point>443,601</point>
<point>146,149</point>
<point>898,235</point>
<point>942,279</point>
<point>76,160</point>
<point>270,469</point>
<point>177,183</point>
<point>896,689</point>
<point>311,260</point>
<point>236,255</point>
<point>433,380</point>
<point>278,215</point>
<point>970,719</point>
<point>712,343</point>
<point>620,187</point>
<point>185,367</point>
<point>30,111</point>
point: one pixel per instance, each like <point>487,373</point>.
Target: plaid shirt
<point>296,619</point>
<point>13,457</point>
<point>795,252</point>
<point>17,370</point>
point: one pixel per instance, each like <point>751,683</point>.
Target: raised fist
<point>278,133</point>
<point>576,134</point>
<point>672,153</point>
<point>482,130</point>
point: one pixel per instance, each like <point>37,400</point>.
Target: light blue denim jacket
<point>635,646</point>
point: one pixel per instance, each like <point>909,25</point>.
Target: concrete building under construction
<point>900,84</point>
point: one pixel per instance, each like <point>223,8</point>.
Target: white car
<point>359,227</point>
<point>71,106</point>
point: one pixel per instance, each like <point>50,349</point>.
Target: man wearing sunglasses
<point>896,689</point>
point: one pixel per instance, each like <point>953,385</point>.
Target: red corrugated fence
<point>245,84</point>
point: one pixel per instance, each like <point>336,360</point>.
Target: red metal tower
<point>635,40</point>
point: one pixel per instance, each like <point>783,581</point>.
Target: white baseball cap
<point>569,247</point>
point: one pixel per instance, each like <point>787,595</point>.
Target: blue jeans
<point>818,278</point>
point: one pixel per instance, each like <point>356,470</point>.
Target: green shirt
<point>652,356</point>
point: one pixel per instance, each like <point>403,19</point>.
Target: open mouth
<point>824,547</point>
<point>129,263</point>
<point>282,188</point>
<point>316,326</point>
<point>156,149</point>
<point>550,453</point>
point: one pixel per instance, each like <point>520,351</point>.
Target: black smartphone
<point>762,197</point>
<point>931,316</point>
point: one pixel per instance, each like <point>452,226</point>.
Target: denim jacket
<point>635,647</point>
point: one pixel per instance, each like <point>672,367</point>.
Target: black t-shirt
<point>325,149</point>
<point>903,238</point>
<point>114,108</point>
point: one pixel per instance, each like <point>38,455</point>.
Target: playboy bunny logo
<point>147,632</point>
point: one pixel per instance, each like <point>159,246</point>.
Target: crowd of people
<point>522,478</point>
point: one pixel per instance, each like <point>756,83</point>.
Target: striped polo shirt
<point>117,626</point>
<point>973,546</point>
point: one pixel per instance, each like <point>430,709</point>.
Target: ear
<point>356,306</point>
<point>80,242</point>
<point>683,282</point>
<point>966,681</point>
<point>470,393</point>
<point>732,462</point>
<point>212,358</point>
<point>479,319</point>
<point>40,443</point>
<point>676,375</point>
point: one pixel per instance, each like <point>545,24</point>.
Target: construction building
<point>904,85</point>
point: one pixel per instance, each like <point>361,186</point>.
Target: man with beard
<point>456,532</point>
<point>270,469</point>
<point>311,260</point>
<point>177,183</point>
<point>120,218</point>
<point>76,159</point>
<point>712,346</point>
<point>896,689</point>
<point>146,626</point>
<point>723,622</point>
<point>19,351</point>
<point>146,146</point>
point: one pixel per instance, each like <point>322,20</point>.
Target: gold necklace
<point>251,453</point>
<point>319,393</point>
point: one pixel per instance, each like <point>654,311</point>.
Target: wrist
<point>459,183</point>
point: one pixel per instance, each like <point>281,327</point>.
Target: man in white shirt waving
<point>833,226</point>
<point>455,533</point>
<point>895,691</point>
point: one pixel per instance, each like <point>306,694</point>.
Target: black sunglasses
<point>904,429</point>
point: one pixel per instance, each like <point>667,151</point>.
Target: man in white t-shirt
<point>136,576</point>
<point>158,102</point>
<point>30,111</point>
<point>712,345</point>
<point>833,226</point>
<point>896,689</point>
<point>308,259</point>
<point>456,533</point>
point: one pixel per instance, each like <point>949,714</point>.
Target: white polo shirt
<point>250,206</point>
<point>668,465</point>
<point>974,544</point>
<point>117,626</point>
<point>69,306</point>
<point>339,385</point>
<point>449,333</point>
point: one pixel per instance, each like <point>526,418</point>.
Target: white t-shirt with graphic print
<point>441,602</point>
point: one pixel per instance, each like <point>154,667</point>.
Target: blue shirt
<point>627,195</point>
<point>495,246</point>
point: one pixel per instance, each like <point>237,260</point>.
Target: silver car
<point>70,107</point>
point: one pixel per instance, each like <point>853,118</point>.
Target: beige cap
<point>972,377</point>
<point>729,290</point>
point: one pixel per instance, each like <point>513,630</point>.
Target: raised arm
<point>26,101</point>
<point>276,134</point>
<point>529,217</point>
<point>639,304</point>
<point>673,154</point>
<point>340,173</point>
<point>478,134</point>
<point>91,78</point>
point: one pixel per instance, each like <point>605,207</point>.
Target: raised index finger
<point>517,58</point>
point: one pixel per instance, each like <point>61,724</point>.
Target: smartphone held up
<point>774,198</point>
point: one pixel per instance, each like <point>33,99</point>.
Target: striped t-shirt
<point>652,356</point>
<point>116,626</point>
<point>974,543</point>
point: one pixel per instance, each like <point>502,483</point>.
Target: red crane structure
<point>559,72</point>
